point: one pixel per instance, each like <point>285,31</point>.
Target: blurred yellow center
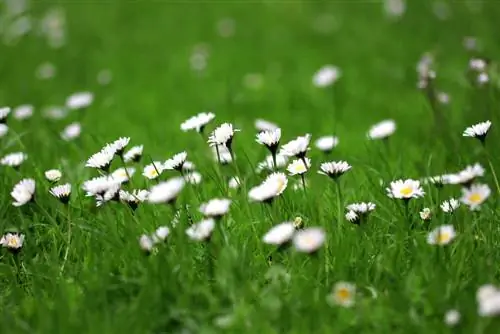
<point>406,191</point>
<point>343,294</point>
<point>153,172</point>
<point>475,198</point>
<point>12,242</point>
<point>444,237</point>
<point>300,168</point>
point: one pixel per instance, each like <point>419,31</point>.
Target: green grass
<point>109,286</point>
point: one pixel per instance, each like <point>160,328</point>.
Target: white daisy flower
<point>53,175</point>
<point>309,240</point>
<point>23,112</point>
<point>166,192</point>
<point>279,234</point>
<point>193,177</point>
<point>61,192</point>
<point>263,125</point>
<point>234,182</point>
<point>425,214</point>
<point>326,76</point>
<point>475,195</point>
<point>122,175</point>
<point>334,169</point>
<point>478,131</point>
<point>452,318</point>
<point>268,163</point>
<point>14,159</point>
<point>488,298</point>
<point>362,207</point>
<point>4,112</point>
<point>201,231</point>
<point>146,243</point>
<point>382,130</point>
<point>483,78</point>
<point>269,138</point>
<point>118,146</point>
<point>222,136</point>
<point>441,235</point>
<point>343,294</point>
<point>134,154</point>
<point>23,192</point>
<point>477,64</point>
<point>272,187</point>
<point>223,156</point>
<point>3,130</point>
<point>111,194</point>
<point>485,292</point>
<point>405,189</point>
<point>216,207</point>
<point>297,147</point>
<point>450,205</point>
<point>176,162</point>
<point>79,100</point>
<point>12,241</point>
<point>71,131</point>
<point>198,122</point>
<point>297,167</point>
<point>153,170</point>
<point>98,185</point>
<point>326,143</point>
<point>134,198</point>
<point>161,234</point>
<point>352,217</point>
<point>101,160</point>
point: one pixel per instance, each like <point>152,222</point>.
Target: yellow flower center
<point>300,168</point>
<point>406,191</point>
<point>12,242</point>
<point>475,198</point>
<point>343,294</point>
<point>153,172</point>
<point>281,184</point>
<point>443,238</point>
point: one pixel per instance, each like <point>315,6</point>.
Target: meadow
<point>393,89</point>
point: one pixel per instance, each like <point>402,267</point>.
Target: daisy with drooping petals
<point>134,154</point>
<point>79,100</point>
<point>263,125</point>
<point>309,240</point>
<point>475,195</point>
<point>134,198</point>
<point>334,169</point>
<point>406,189</point>
<point>343,294</point>
<point>193,177</point>
<point>14,159</point>
<point>201,231</point>
<point>153,170</point>
<point>166,192</point>
<point>176,162</point>
<point>197,122</point>
<point>382,130</point>
<point>280,234</point>
<point>478,131</point>
<point>216,207</point>
<point>3,130</point>
<point>450,205</point>
<point>425,214</point>
<point>12,241</point>
<point>326,143</point>
<point>23,192</point>
<point>273,186</point>
<point>297,147</point>
<point>23,112</point>
<point>101,160</point>
<point>71,131</point>
<point>298,167</point>
<point>441,235</point>
<point>4,112</point>
<point>223,136</point>
<point>62,192</point>
<point>53,175</point>
<point>268,163</point>
<point>326,76</point>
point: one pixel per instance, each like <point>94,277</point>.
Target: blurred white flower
<point>443,98</point>
<point>166,192</point>
<point>483,78</point>
<point>222,155</point>
<point>309,240</point>
<point>23,192</point>
<point>216,207</point>
<point>3,130</point>
<point>79,100</point>
<point>234,182</point>
<point>326,76</point>
<point>450,205</point>
<point>53,175</point>
<point>425,214</point>
<point>222,136</point>
<point>146,243</point>
<point>23,112</point>
<point>134,198</point>
<point>326,143</point>
<point>382,130</point>
<point>54,112</point>
<point>405,189</point>
<point>441,235</point>
<point>45,71</point>
<point>273,186</point>
<point>297,167</point>
<point>488,298</point>
<point>122,175</point>
<point>104,77</point>
<point>134,154</point>
<point>197,122</point>
<point>98,185</point>
<point>477,64</point>
<point>452,318</point>
<point>279,234</point>
<point>297,147</point>
<point>193,177</point>
<point>475,195</point>
<point>268,163</point>
<point>14,159</point>
<point>334,169</point>
<point>253,81</point>
<point>264,125</point>
<point>343,294</point>
<point>352,217</point>
<point>71,131</point>
<point>161,234</point>
<point>478,131</point>
<point>201,231</point>
<point>226,27</point>
<point>62,192</point>
<point>53,27</point>
<point>4,112</point>
<point>394,8</point>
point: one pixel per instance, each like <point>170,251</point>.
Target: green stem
<point>68,243</point>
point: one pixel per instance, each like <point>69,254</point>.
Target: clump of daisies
<point>223,136</point>
<point>270,139</point>
<point>441,235</point>
<point>405,189</point>
<point>273,186</point>
<point>326,143</point>
<point>12,241</point>
<point>197,122</point>
<point>23,192</point>
<point>382,130</point>
<point>358,213</point>
<point>478,131</point>
<point>14,159</point>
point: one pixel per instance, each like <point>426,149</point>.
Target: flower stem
<point>339,203</point>
<point>66,252</point>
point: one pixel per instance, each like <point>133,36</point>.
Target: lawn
<point>97,264</point>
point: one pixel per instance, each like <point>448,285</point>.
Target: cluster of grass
<point>233,284</point>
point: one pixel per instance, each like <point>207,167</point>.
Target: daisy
<point>111,194</point>
<point>161,234</point>
<point>452,318</point>
<point>326,76</point>
<point>488,298</point>
<point>118,146</point>
<point>438,181</point>
<point>23,112</point>
<point>122,175</point>
<point>12,241</point>
<point>71,131</point>
<point>23,192</point>
<point>79,100</point>
<point>166,192</point>
<point>475,195</point>
<point>279,234</point>
<point>334,169</point>
<point>352,217</point>
<point>222,136</point>
<point>483,78</point>
<point>193,177</point>
<point>4,112</point>
<point>343,294</point>
<point>153,170</point>
<point>98,185</point>
<point>477,64</point>
<point>382,130</point>
<point>270,138</point>
<point>201,231</point>
<point>176,162</point>
<point>273,186</point>
<point>53,175</point>
<point>356,212</point>
<point>309,240</point>
<point>441,235</point>
<point>263,125</point>
<point>297,147</point>
<point>134,198</point>
<point>234,182</point>
<point>101,160</point>
<point>146,243</point>
<point>216,207</point>
<point>425,214</point>
<point>14,159</point>
<point>268,163</point>
<point>406,189</point>
<point>326,143</point>
<point>297,167</point>
<point>62,192</point>
<point>197,122</point>
<point>478,131</point>
<point>450,205</point>
<point>3,130</point>
<point>134,154</point>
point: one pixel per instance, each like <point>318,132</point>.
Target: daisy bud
<point>298,223</point>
